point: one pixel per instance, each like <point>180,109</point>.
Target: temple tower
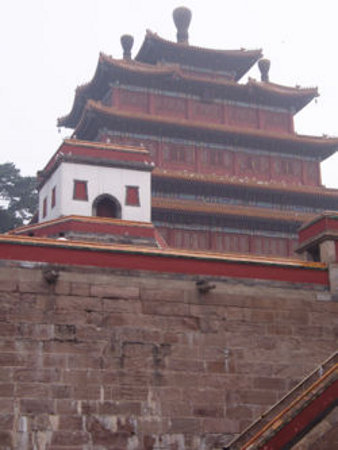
<point>231,174</point>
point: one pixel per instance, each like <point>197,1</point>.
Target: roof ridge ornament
<point>182,18</point>
<point>264,67</point>
<point>127,42</point>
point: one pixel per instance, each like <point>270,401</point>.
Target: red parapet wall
<point>166,261</point>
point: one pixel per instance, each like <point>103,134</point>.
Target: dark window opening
<point>53,201</point>
<point>107,206</point>
<point>314,254</point>
<point>44,207</point>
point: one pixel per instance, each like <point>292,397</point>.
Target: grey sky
<point>49,47</point>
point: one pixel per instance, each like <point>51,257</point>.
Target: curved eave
<point>93,90</point>
<point>190,206</point>
<point>297,98</point>
<point>155,48</point>
<point>106,68</point>
<point>96,116</point>
<point>232,181</point>
<point>90,90</point>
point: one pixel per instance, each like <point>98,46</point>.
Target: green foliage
<point>18,197</point>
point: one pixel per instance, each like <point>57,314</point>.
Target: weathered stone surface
<point>103,360</point>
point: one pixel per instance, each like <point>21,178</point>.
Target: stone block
<point>275,384</point>
<point>113,291</point>
<point>73,303</point>
<point>70,438</point>
<point>185,425</point>
<point>34,406</point>
<point>6,390</point>
<point>165,309</point>
<point>162,294</point>
<point>216,425</point>
<point>59,391</point>
<point>81,289</point>
<point>6,439</point>
<point>258,397</point>
<point>8,285</point>
<point>37,375</point>
<point>34,286</point>
<point>13,359</point>
<point>74,423</point>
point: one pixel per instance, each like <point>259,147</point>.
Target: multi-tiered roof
<point>231,173</point>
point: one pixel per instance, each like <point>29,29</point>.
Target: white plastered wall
<point>46,192</point>
<point>100,180</point>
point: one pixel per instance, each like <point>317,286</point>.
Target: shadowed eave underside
<point>97,116</point>
<point>172,77</point>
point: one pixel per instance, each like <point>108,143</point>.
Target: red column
<point>198,155</point>
<point>160,154</point>
<point>303,172</point>
<point>225,114</point>
<point>117,97</point>
<point>188,109</point>
<point>270,167</point>
<point>259,119</point>
<point>151,105</point>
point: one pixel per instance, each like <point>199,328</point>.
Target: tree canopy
<point>18,197</point>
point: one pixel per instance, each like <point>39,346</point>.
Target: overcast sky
<point>49,47</point>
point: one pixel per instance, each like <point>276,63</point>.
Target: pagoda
<point>230,173</point>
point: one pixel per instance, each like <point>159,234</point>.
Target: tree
<point>18,197</point>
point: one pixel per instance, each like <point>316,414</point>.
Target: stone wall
<point>108,360</point>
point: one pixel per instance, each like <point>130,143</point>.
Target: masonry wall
<point>109,360</point>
